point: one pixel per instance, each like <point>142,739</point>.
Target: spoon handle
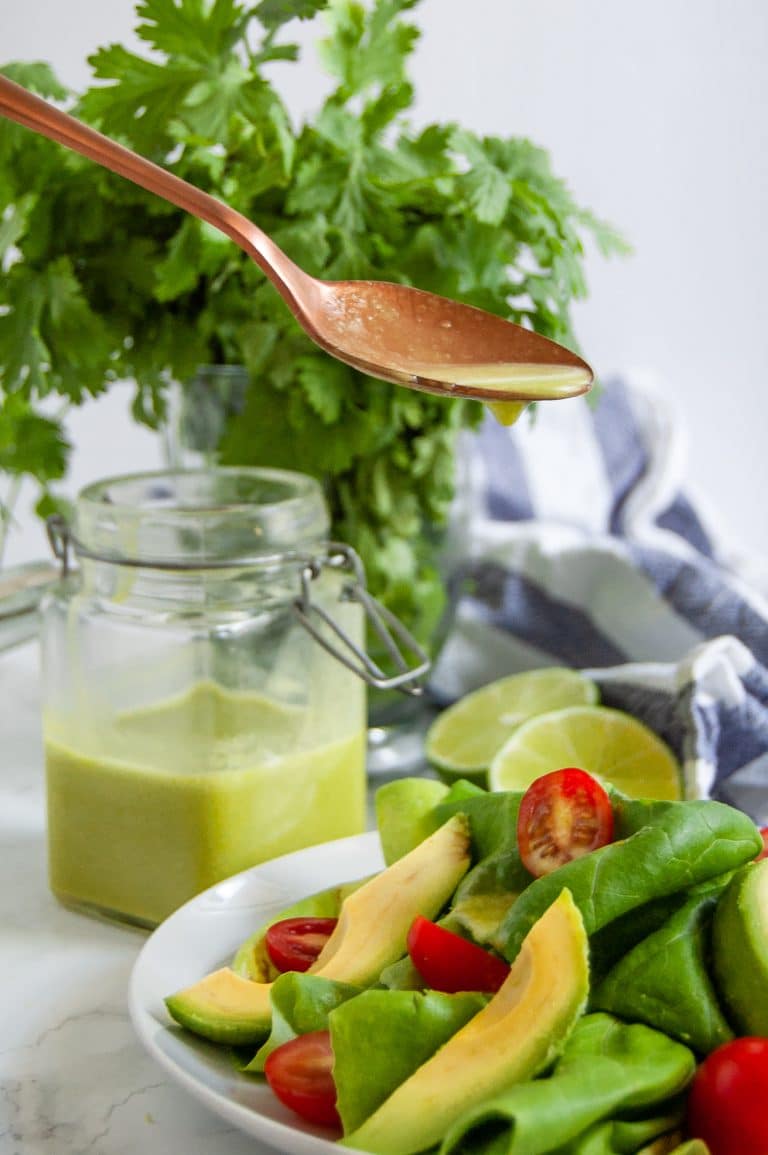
<point>30,111</point>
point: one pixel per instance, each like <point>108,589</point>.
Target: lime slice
<point>610,744</point>
<point>463,740</point>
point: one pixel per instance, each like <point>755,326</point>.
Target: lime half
<point>608,743</point>
<point>463,740</point>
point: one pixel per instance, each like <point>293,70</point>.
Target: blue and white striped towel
<point>573,543</point>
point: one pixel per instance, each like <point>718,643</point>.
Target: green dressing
<point>169,799</point>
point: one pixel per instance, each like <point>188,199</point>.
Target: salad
<point>556,970</point>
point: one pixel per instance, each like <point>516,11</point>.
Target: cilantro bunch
<point>104,282</point>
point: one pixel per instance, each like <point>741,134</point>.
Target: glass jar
<point>193,726</point>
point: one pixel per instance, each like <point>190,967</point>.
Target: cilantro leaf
<point>325,383</point>
<point>38,76</point>
<point>180,270</point>
<point>210,104</point>
<point>193,29</point>
<point>23,354</point>
<point>50,503</point>
<point>487,187</point>
<point>13,224</point>
<point>274,13</point>
<point>368,49</point>
<point>76,337</point>
<point>29,442</point>
<point>143,100</point>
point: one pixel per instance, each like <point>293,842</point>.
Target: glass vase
<point>199,410</point>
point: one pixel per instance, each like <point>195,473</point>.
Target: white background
<point>656,114</point>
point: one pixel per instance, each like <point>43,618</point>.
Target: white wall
<point>657,114</point>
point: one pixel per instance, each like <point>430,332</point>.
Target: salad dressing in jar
<point>193,724</point>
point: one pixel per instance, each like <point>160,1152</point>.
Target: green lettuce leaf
<point>405,814</point>
<point>300,1003</point>
<point>622,1137</point>
<point>607,1070</point>
<point>608,945</point>
<point>680,845</point>
<point>492,817</point>
<point>401,976</point>
<point>488,891</point>
<point>664,980</point>
<point>381,1037</point>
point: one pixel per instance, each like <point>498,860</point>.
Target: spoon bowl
<point>440,346</point>
<point>390,331</point>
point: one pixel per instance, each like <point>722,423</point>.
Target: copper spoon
<point>390,331</point>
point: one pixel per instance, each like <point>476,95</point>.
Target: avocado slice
<point>251,959</point>
<point>740,948</point>
<point>374,922</point>
<point>370,934</point>
<point>516,1036</point>
<point>224,1007</point>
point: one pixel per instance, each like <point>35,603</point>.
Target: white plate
<point>204,935</point>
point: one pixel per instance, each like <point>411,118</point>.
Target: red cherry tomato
<point>293,944</point>
<point>764,852</point>
<point>447,962</point>
<point>300,1073</point>
<point>726,1106</point>
<point>563,815</point>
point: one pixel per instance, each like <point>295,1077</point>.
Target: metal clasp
<point>60,538</point>
<point>389,629</point>
<point>396,639</point>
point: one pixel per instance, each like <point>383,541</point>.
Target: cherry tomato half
<point>563,815</point>
<point>447,962</point>
<point>726,1106</point>
<point>300,1073</point>
<point>764,852</point>
<point>293,944</point>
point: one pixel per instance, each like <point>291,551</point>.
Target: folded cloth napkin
<point>573,543</point>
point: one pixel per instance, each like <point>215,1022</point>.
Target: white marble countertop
<point>74,1078</point>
